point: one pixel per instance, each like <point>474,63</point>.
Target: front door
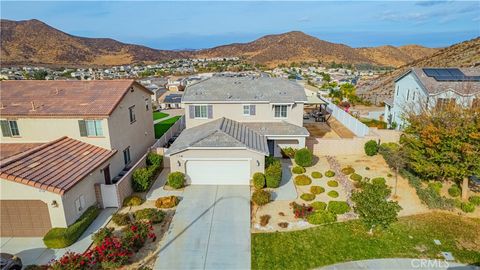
<point>106,174</point>
<point>271,147</point>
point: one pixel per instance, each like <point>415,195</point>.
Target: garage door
<point>24,218</point>
<point>218,172</point>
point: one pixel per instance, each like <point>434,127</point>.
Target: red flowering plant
<point>135,235</point>
<point>301,210</point>
<point>73,261</point>
<point>111,253</point>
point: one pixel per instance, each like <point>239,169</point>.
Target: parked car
<point>10,262</point>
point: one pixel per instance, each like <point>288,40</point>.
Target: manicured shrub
<point>167,202</point>
<point>149,214</point>
<point>289,152</point>
<point>273,175</point>
<point>269,161</point>
<point>319,205</point>
<point>283,225</point>
<point>329,173</point>
<point>141,179</point>
<point>298,170</point>
<point>264,220</point>
<point>261,197</point>
<point>132,201</point>
<point>317,175</point>
<point>307,197</point>
<point>348,170</point>
<point>258,180</point>
<point>317,190</point>
<point>135,235</point>
<point>454,191</point>
<point>371,148</point>
<point>437,186</point>
<point>101,234</point>
<point>332,183</point>
<point>338,207</point>
<point>176,180</point>
<point>154,159</point>
<point>301,210</point>
<point>379,181</point>
<point>467,207</point>
<point>332,194</point>
<point>475,200</point>
<point>64,237</point>
<point>120,219</point>
<point>302,180</point>
<point>356,177</point>
<point>367,168</point>
<point>304,157</point>
<point>321,217</point>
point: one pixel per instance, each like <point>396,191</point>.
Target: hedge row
<point>143,178</point>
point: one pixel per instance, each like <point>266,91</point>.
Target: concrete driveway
<point>210,230</point>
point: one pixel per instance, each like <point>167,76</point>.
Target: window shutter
<point>83,128</point>
<point>191,111</point>
<point>252,109</point>
<point>6,132</point>
<point>210,111</point>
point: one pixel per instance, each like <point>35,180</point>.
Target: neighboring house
<point>175,84</point>
<point>170,100</point>
<point>429,88</point>
<point>232,124</point>
<point>60,139</point>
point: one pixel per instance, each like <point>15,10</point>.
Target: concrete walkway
<point>286,191</point>
<point>210,230</point>
<point>157,189</point>
<point>171,113</point>
<point>32,250</point>
<point>400,264</point>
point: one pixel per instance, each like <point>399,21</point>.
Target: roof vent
<point>33,105</point>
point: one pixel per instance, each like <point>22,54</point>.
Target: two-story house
<point>428,88</point>
<point>232,124</point>
<point>61,138</point>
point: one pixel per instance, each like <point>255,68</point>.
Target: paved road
<point>400,264</point>
<point>210,230</point>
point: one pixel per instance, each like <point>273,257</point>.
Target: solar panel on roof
<point>430,72</point>
<point>443,72</point>
<point>455,72</point>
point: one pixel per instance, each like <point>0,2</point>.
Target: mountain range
<point>36,43</point>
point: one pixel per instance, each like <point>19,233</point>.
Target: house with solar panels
<point>432,88</point>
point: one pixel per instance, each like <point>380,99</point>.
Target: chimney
<point>33,105</point>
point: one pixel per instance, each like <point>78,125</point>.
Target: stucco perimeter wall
<point>257,160</point>
<point>124,186</point>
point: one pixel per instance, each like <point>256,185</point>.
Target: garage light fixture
<point>179,163</point>
<point>258,163</point>
<point>54,203</point>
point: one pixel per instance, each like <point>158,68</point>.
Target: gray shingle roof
<point>277,128</point>
<point>219,133</point>
<point>231,89</point>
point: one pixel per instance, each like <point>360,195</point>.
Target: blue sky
<point>194,25</point>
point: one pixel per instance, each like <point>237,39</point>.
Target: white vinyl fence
<point>174,129</point>
<point>350,122</point>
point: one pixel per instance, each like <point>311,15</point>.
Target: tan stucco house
<point>232,123</point>
<point>60,140</point>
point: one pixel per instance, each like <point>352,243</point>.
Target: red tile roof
<point>56,166</point>
<point>10,149</point>
<point>29,98</point>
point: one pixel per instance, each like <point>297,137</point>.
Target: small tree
<point>371,148</point>
<point>373,208</point>
<point>395,158</point>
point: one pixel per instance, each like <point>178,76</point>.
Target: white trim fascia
<point>283,136</point>
<point>225,101</point>
<point>217,148</point>
<point>451,90</point>
<point>192,159</point>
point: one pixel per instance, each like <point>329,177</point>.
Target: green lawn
<point>410,237</point>
<point>162,127</point>
<point>159,115</point>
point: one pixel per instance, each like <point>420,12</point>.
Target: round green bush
<point>467,207</point>
<point>261,197</point>
<point>120,219</point>
<point>371,148</point>
<point>141,179</point>
<point>273,174</point>
<point>321,217</point>
<point>329,173</point>
<point>319,205</point>
<point>298,170</point>
<point>307,197</point>
<point>348,170</point>
<point>389,175</point>
<point>258,180</point>
<point>304,157</point>
<point>333,194</point>
<point>475,200</point>
<point>176,180</point>
<point>132,201</point>
<point>338,207</point>
<point>454,191</point>
<point>332,183</point>
<point>302,180</point>
<point>317,190</point>
<point>437,186</point>
<point>317,175</point>
<point>151,214</point>
<point>356,177</point>
<point>379,181</point>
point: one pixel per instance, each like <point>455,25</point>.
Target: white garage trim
<point>218,171</point>
<point>187,159</point>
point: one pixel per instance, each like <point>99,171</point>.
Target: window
<point>280,111</point>
<point>10,128</point>
<point>201,111</point>
<point>408,93</point>
<point>90,128</point>
<point>126,156</point>
<point>146,104</point>
<point>131,112</point>
<point>246,110</point>
<point>413,98</point>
